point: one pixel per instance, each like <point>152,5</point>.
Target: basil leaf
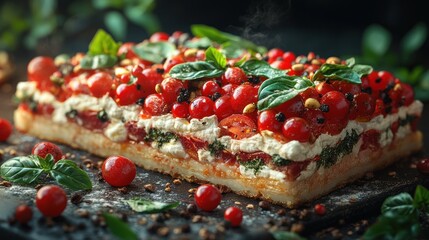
<point>216,57</point>
<point>68,174</point>
<point>103,43</point>
<point>401,204</point>
<point>336,72</point>
<point>98,61</point>
<point>255,67</point>
<point>285,235</point>
<point>46,163</point>
<point>278,90</point>
<point>350,62</point>
<point>393,226</point>
<point>362,70</point>
<point>232,50</point>
<point>200,43</point>
<point>195,70</point>
<point>148,206</point>
<point>155,52</point>
<point>222,37</point>
<point>119,228</point>
<point>22,170</point>
<point>421,197</point>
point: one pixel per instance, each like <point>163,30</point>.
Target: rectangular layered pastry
<point>266,124</point>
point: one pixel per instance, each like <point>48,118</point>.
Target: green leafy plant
<point>400,216</point>
<point>25,25</point>
<point>119,228</point>
<point>378,50</point>
<point>101,52</point>
<point>29,169</point>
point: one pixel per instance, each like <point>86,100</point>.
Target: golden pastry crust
<point>287,193</point>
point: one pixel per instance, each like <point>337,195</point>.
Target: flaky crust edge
<point>287,193</point>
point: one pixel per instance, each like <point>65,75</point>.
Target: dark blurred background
<point>390,35</point>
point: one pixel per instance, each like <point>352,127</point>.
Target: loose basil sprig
<point>28,169</point>
<point>222,37</point>
<point>351,72</point>
<point>102,52</point>
<point>148,206</point>
<point>278,90</point>
<point>119,228</point>
<point>155,52</point>
<point>214,66</point>
<point>400,216</point>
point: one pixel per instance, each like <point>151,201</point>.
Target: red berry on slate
<point>23,214</point>
<point>118,171</point>
<point>51,200</point>
<point>234,216</point>
<point>207,197</point>
<point>44,148</point>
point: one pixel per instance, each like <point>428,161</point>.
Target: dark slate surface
<point>349,210</point>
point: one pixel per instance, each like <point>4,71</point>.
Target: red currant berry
<point>44,148</point>
<point>155,105</point>
<point>207,197</point>
<point>297,129</point>
<point>234,216</point>
<point>234,75</point>
<point>242,96</point>
<point>170,89</point>
<point>23,214</point>
<point>159,37</point>
<point>210,88</point>
<point>118,171</point>
<point>334,105</point>
<point>320,209</point>
<point>5,129</point>
<point>51,200</point>
<point>201,107</point>
<point>222,107</point>
<point>267,121</point>
<point>180,110</point>
<point>100,84</point>
<point>274,54</point>
<point>423,166</point>
<point>127,94</point>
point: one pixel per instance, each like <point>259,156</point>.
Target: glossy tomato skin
<point>171,88</point>
<point>180,110</point>
<point>238,126</point>
<point>40,70</point>
<point>44,148</point>
<point>155,105</point>
<point>127,94</point>
<point>5,129</point>
<point>222,107</point>
<point>297,129</point>
<point>234,75</point>
<point>159,37</point>
<point>267,121</point>
<point>118,171</point>
<point>320,209</point>
<point>274,54</point>
<point>23,214</point>
<point>207,197</point>
<point>100,84</point>
<point>51,200</point>
<point>423,166</point>
<point>127,49</point>
<point>334,106</point>
<point>234,216</point>
<point>243,95</point>
<point>201,107</point>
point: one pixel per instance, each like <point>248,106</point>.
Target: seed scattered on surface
<point>149,187</point>
<point>76,199</point>
<point>123,190</point>
<point>142,221</point>
<point>297,228</point>
<point>392,173</point>
<point>250,206</point>
<point>167,189</point>
<point>264,205</point>
<point>177,181</point>
<point>197,218</point>
<point>192,190</point>
<point>5,184</point>
<point>237,203</point>
<point>83,213</point>
<point>163,231</point>
<point>191,208</point>
<point>281,212</point>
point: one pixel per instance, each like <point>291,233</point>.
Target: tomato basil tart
<point>217,108</point>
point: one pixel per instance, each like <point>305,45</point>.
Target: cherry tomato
<point>171,88</point>
<point>100,84</point>
<point>127,49</point>
<point>267,121</point>
<point>173,61</point>
<point>363,106</point>
<point>40,69</point>
<point>320,209</point>
<point>5,129</point>
<point>289,57</point>
<point>274,54</point>
<point>324,87</point>
<point>207,197</point>
<point>222,107</point>
<point>148,80</point>
<point>127,94</point>
<point>44,148</point>
<point>210,88</point>
<point>334,105</point>
<point>296,129</point>
<point>315,120</point>
<point>238,126</point>
<point>51,200</point>
<point>380,81</point>
<point>118,171</point>
<point>180,110</point>
<point>234,216</point>
<point>309,93</point>
<point>281,64</point>
<point>423,166</point>
<point>228,89</point>
<point>407,96</point>
<point>201,107</point>
<point>242,96</point>
<point>234,75</point>
<point>159,37</point>
<point>292,108</point>
<point>155,105</point>
<point>23,214</point>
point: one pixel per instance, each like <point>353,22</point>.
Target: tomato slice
<point>238,126</point>
<point>192,145</point>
